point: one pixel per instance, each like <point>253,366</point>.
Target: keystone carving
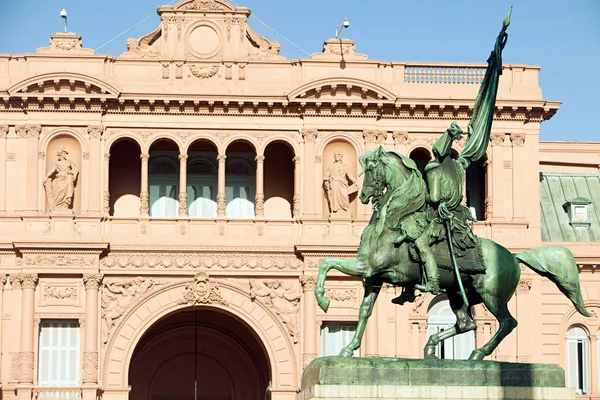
<point>284,301</point>
<point>118,296</point>
<point>202,290</point>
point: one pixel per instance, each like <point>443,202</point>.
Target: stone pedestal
<point>399,378</point>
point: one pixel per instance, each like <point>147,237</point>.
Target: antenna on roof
<point>63,15</point>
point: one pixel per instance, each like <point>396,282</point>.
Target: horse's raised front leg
<point>346,266</point>
<point>366,309</point>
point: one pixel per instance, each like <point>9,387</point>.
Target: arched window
<point>578,360</point>
<point>441,318</point>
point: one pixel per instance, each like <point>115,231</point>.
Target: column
<point>296,199</point>
<point>369,136</point>
<point>3,186</point>
<point>32,189</point>
<point>28,283</point>
<point>221,185</point>
<point>183,185</point>
<point>144,208</point>
<point>520,161</point>
<point>259,205</point>
<point>91,282</point>
<point>3,279</point>
<point>106,204</point>
<point>310,186</point>
<point>309,312</point>
<point>95,170</point>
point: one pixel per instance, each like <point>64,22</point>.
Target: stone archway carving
<point>199,291</point>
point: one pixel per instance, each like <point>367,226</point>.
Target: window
<point>577,360</point>
<point>202,200</point>
<point>163,199</point>
<point>58,354</point>
<point>240,202</point>
<point>336,335</point>
<point>441,318</point>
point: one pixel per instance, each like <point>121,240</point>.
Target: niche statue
<point>339,185</point>
<point>59,182</point>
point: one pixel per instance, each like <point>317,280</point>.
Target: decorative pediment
<point>203,30</point>
<point>339,49</point>
<point>61,84</point>
<point>341,90</point>
<point>204,5</point>
<point>67,43</point>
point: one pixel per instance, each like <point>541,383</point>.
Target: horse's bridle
<point>378,186</point>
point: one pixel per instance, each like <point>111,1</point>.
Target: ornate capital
<point>3,279</point>
<point>28,281</point>
<point>380,136</point>
<point>3,131</point>
<point>90,367</point>
<point>517,139</point>
<point>41,155</point>
<point>369,135</point>
<point>524,285</point>
<point>95,131</point>
<point>309,135</point>
<point>400,137</point>
<point>259,159</point>
<point>183,157</point>
<point>221,158</point>
<point>144,157</point>
<point>497,138</point>
<point>308,283</point>
<point>296,160</point>
<point>21,130</point>
<point>92,281</point>
<point>33,131</point>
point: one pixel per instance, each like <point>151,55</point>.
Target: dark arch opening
<point>231,361</point>
<point>124,183</point>
<point>421,157</point>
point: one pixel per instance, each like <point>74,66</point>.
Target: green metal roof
<point>556,189</point>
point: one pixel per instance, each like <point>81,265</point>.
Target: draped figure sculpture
<point>59,182</point>
<point>338,186</point>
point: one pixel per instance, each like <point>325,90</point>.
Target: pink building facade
<point>163,213</point>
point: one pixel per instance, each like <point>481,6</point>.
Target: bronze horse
<point>380,261</point>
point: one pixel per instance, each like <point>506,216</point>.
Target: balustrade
<point>423,73</point>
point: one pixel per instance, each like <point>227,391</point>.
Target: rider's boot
<point>433,277</point>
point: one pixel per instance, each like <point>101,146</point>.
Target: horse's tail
<point>557,264</point>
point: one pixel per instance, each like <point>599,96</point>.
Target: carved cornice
<point>155,260</point>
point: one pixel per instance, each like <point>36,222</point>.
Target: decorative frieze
<point>284,301</point>
<point>201,261</point>
<point>61,292</point>
<point>202,290</point>
<point>342,294</point>
<point>57,260</point>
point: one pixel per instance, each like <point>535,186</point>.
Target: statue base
<point>402,378</point>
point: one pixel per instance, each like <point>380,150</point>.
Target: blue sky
<point>561,36</point>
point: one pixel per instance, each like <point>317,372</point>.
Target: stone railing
<point>439,73</point>
<point>57,393</point>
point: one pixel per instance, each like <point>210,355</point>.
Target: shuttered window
<point>578,360</point>
<point>58,355</point>
<point>335,336</point>
<point>458,347</point>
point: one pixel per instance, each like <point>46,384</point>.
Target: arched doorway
<point>200,349</point>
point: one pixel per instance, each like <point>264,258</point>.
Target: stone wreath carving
<point>204,71</point>
<point>202,291</point>
<point>118,296</point>
<point>285,301</point>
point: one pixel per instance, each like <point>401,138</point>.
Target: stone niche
<point>63,174</point>
<point>349,160</point>
<point>193,31</point>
